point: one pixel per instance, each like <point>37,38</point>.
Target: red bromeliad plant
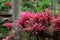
<point>34,22</point>
<point>56,23</point>
<point>8,25</point>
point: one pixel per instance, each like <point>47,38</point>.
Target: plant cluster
<point>55,22</point>
<point>34,23</point>
<point>5,5</point>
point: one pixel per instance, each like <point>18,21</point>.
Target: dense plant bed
<point>36,26</point>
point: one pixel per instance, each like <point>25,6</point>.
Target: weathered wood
<point>15,10</point>
<point>15,13</point>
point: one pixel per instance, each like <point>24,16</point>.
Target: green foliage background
<point>27,5</point>
<point>3,7</point>
<point>3,32</point>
